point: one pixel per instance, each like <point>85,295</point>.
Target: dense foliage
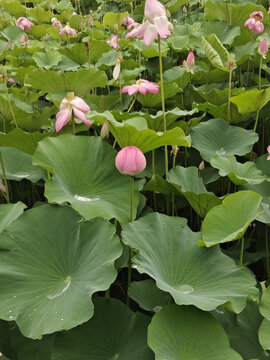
<point>163,251</point>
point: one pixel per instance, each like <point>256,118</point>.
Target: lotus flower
<point>268,149</point>
<point>72,105</point>
<point>67,30</point>
<point>129,22</point>
<point>143,86</point>
<point>117,68</point>
<point>24,24</point>
<point>189,62</point>
<point>263,48</point>
<point>24,39</point>
<point>113,42</point>
<point>91,20</point>
<point>56,23</point>
<point>254,22</point>
<point>156,23</point>
<point>130,161</point>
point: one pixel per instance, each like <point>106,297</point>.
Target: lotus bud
<point>2,187</point>
<point>184,9</point>
<point>201,166</point>
<point>174,150</point>
<point>263,48</point>
<point>268,149</point>
<point>105,131</point>
<point>130,161</point>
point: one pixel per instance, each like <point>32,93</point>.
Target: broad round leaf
<point>229,221</point>
<point>9,213</point>
<point>50,267</point>
<point>148,295</point>
<point>216,137</point>
<point>250,101</point>
<point>237,172</point>
<point>186,333</point>
<point>114,332</point>
<point>169,253</point>
<point>85,176</point>
<point>18,165</point>
<point>47,58</point>
<point>264,332</point>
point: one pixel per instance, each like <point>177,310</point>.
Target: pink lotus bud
<point>130,161</point>
<point>201,166</point>
<point>263,48</point>
<point>74,13</point>
<point>269,10</point>
<point>105,131</point>
<point>189,62</point>
<point>2,187</point>
<point>185,9</point>
<point>90,20</point>
<point>268,149</point>
<point>9,45</point>
<point>12,81</point>
<point>24,39</point>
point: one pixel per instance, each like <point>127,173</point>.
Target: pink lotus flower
<point>201,166</point>
<point>268,149</point>
<point>156,23</point>
<point>189,62</point>
<point>143,86</point>
<point>72,105</point>
<point>74,13</point>
<point>67,30</point>
<point>24,24</point>
<point>90,20</point>
<point>11,80</point>
<point>254,22</point>
<point>269,10</point>
<point>56,23</point>
<point>113,42</point>
<point>24,39</point>
<point>129,22</point>
<point>263,48</point>
<point>130,161</point>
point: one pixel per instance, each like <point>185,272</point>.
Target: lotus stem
<point>260,74</point>
<point>229,96</point>
<point>131,219</point>
<point>9,103</point>
<point>267,253</point>
<point>256,121</point>
<point>131,105</point>
<point>242,252</point>
<point>163,104</point>
<point>5,178</point>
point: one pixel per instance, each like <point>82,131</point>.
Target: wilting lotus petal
<point>62,118</point>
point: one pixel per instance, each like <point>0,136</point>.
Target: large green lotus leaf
<point>187,333</point>
<point>47,58</point>
<point>18,165</point>
<point>220,10</point>
<point>153,100</point>
<point>250,101</point>
<point>148,295</point>
<point>221,111</point>
<point>159,185</point>
<point>114,332</point>
<point>14,8</point>
<point>79,82</point>
<point>215,51</point>
<point>237,172</point>
<point>188,182</point>
<point>263,165</point>
<point>69,261</point>
<point>147,139</point>
<point>85,176</point>
<point>111,19</point>
<point>177,74</point>
<point>216,137</point>
<point>9,213</point>
<point>224,32</point>
<point>76,52</point>
<point>265,303</point>
<point>230,220</point>
<point>264,332</point>
<point>242,330</point>
<point>12,33</point>
<point>39,14</point>
<point>169,253</point>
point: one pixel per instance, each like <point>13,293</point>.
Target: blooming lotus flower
<point>56,23</point>
<point>143,86</point>
<point>189,62</point>
<point>24,24</point>
<point>113,42</point>
<point>254,22</point>
<point>72,105</point>
<point>67,30</point>
<point>130,161</point>
<point>263,48</point>
<point>156,23</point>
<point>268,149</point>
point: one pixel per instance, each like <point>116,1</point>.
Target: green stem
<point>229,96</point>
<point>9,104</point>
<point>5,178</point>
<point>260,74</point>
<point>173,204</point>
<point>131,105</point>
<point>267,254</point>
<point>256,121</point>
<point>163,104</point>
<point>131,219</point>
<point>107,294</point>
<point>153,163</point>
<point>230,12</point>
<point>242,251</point>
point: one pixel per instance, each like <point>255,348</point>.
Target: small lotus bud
<point>201,166</point>
<point>184,9</point>
<point>268,149</point>
<point>263,48</point>
<point>130,161</point>
<point>105,131</point>
<point>2,187</point>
